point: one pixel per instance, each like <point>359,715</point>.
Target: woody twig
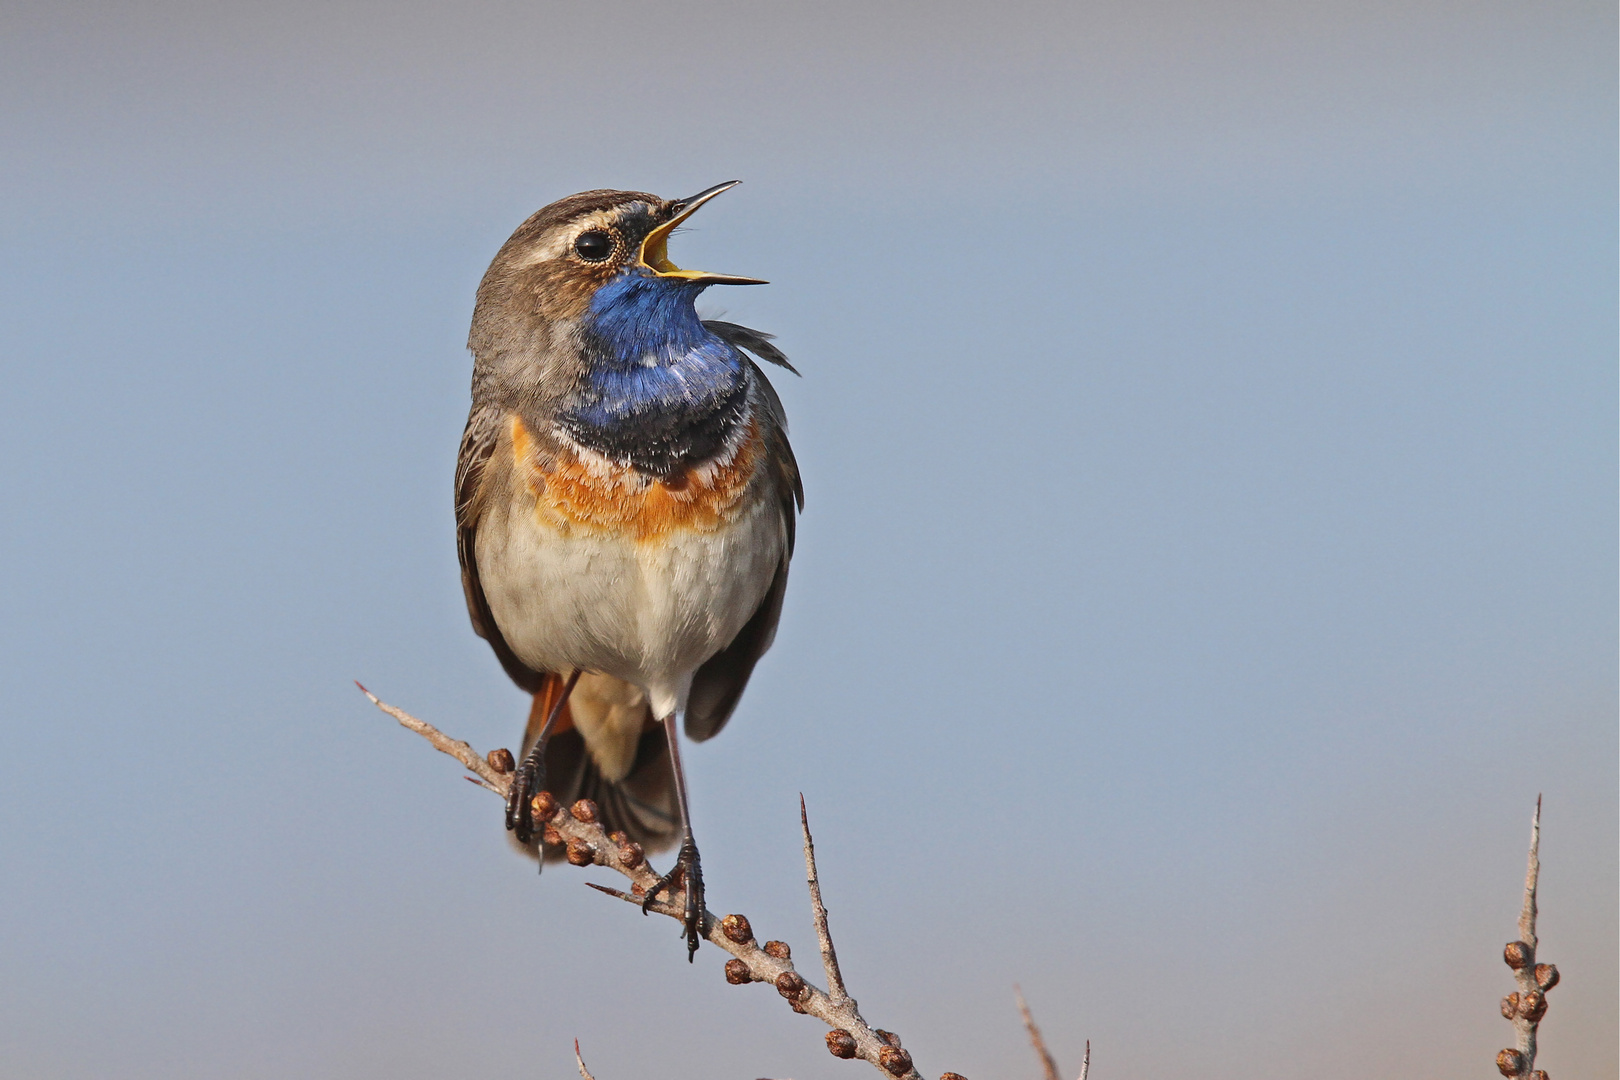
<point>583,1071</point>
<point>577,829</point>
<point>1048,1063</point>
<point>1526,1006</point>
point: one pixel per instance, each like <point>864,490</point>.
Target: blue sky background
<point>1208,427</point>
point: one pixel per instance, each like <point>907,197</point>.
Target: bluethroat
<point>625,505</point>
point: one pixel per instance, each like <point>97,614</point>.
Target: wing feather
<point>475,479</point>
<point>719,683</point>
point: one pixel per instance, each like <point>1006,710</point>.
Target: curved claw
<point>531,774</point>
<point>690,868</point>
<point>526,782</point>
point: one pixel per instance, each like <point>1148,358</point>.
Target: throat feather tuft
<point>661,391</point>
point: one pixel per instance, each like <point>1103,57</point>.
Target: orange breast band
<point>596,495</point>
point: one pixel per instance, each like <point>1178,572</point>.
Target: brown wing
<point>477,475</point>
<point>719,683</point>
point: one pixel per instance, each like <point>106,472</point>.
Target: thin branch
<point>1085,1063</point>
<point>1526,1006</point>
<point>583,1071</point>
<point>1532,871</point>
<point>660,907</point>
<point>1039,1043</point>
<point>818,910</point>
<point>462,752</point>
<point>587,843</point>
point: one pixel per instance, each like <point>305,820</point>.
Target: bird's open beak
<point>655,248</point>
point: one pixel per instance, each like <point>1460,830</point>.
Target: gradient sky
<point>1208,428</point>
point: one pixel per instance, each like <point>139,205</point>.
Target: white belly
<point>649,613</point>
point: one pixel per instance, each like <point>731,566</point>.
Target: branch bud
<point>952,1076</point>
<point>501,760</point>
<point>631,855</point>
<point>737,973</point>
<point>544,806</point>
<point>1510,1063</point>
<point>552,837</point>
<point>790,985</point>
<point>895,1060</point>
<point>840,1043</point>
<point>736,928</point>
<point>1539,1074</point>
<point>1533,1005</point>
<point>1510,1006</point>
<point>779,950</point>
<point>580,853</point>
<point>1546,976</point>
<point>889,1037</point>
<point>585,811</point>
<point>1516,954</point>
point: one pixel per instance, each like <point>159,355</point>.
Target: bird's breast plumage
<point>581,492</point>
<point>594,565</point>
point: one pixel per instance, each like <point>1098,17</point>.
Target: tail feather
<point>642,804</point>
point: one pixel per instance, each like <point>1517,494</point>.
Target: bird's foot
<point>526,783</point>
<point>687,871</point>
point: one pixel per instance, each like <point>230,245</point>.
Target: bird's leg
<point>687,866</point>
<point>531,774</point>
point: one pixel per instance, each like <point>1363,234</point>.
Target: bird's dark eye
<point>594,246</point>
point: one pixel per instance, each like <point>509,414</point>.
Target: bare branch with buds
<point>578,830</point>
<point>1526,1006</point>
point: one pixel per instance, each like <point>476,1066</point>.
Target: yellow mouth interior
<point>655,248</point>
<point>655,253</point>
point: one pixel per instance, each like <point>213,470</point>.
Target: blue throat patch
<point>660,390</point>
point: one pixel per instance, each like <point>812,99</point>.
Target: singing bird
<point>625,506</point>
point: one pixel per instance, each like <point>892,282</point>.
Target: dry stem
<point>461,751</point>
<point>818,910</point>
<point>837,1010</point>
<point>1047,1061</point>
<point>583,1071</point>
<point>1532,871</point>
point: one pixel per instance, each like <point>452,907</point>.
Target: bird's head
<point>552,268</point>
